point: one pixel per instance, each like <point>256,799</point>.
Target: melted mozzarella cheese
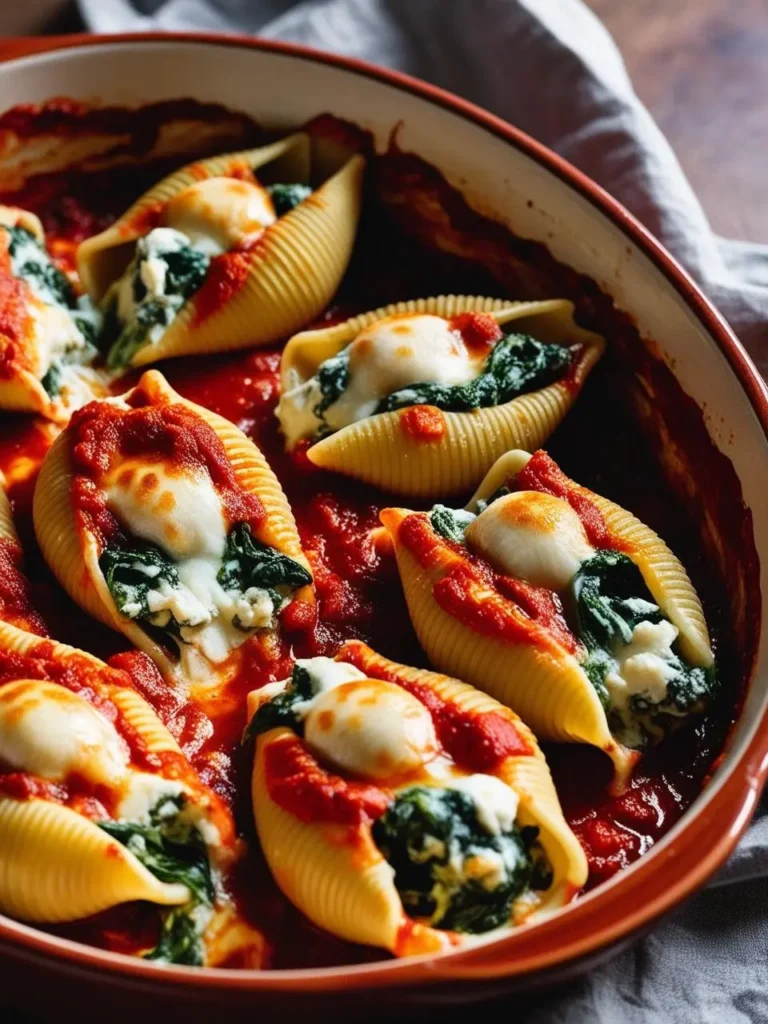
<point>52,732</point>
<point>181,512</point>
<point>495,802</point>
<point>532,536</point>
<point>371,728</point>
<point>220,213</point>
<point>644,666</point>
<point>393,353</point>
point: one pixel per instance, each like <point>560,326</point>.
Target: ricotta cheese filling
<point>389,355</point>
<point>644,668</point>
<point>220,213</point>
<point>58,345</point>
<point>182,514</point>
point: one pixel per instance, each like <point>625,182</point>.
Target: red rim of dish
<point>628,903</point>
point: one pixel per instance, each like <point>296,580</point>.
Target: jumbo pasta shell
<point>16,217</point>
<point>383,450</point>
<point>56,865</point>
<point>340,881</point>
<point>73,555</point>
<point>136,712</point>
<point>545,685</point>
<point>528,776</point>
<point>662,570</point>
<point>254,295</point>
<point>7,527</point>
<point>102,258</point>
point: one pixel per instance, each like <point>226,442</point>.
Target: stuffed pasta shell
<point>47,334</point>
<point>165,522</point>
<point>561,604</point>
<point>15,601</point>
<point>99,807</point>
<point>230,252</point>
<point>403,809</point>
<point>421,397</point>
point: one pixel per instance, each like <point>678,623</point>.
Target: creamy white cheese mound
<point>54,733</point>
<point>389,355</point>
<point>220,213</point>
<point>495,803</point>
<point>532,536</point>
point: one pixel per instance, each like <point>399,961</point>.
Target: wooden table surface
<point>701,67</point>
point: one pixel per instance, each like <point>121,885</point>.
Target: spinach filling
<point>609,598</point>
<point>448,868</point>
<point>280,711</point>
<point>287,196</point>
<point>248,569</point>
<point>30,262</point>
<point>184,270</point>
<point>174,852</point>
<point>517,364</point>
<point>450,522</point>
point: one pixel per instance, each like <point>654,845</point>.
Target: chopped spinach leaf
<point>610,598</point>
<point>286,197</point>
<point>447,867</point>
<point>450,522</point>
<point>180,941</point>
<point>249,563</point>
<point>185,269</point>
<point>51,381</point>
<point>30,261</point>
<point>332,379</point>
<point>281,709</point>
<point>174,852</point>
<point>131,573</point>
<point>517,364</point>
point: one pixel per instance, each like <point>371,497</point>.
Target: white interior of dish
<point>271,88</point>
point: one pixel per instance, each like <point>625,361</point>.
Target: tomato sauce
<point>418,236</point>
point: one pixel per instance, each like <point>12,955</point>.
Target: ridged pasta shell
<point>666,579</point>
<point>380,451</point>
<point>15,217</point>
<point>662,571</point>
<point>74,558</point>
<point>341,882</point>
<point>528,776</point>
<point>547,688</point>
<point>138,714</point>
<point>56,865</point>
<point>266,291</point>
<point>102,258</point>
<point>7,527</point>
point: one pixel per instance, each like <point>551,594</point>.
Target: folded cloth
<point>519,58</point>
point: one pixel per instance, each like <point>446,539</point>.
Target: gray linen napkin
<point>710,963</point>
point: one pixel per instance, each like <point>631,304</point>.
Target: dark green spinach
<point>174,852</point>
<point>427,833</point>
<point>281,709</point>
<point>249,563</point>
<point>610,597</point>
<point>132,572</point>
<point>517,364</point>
<point>450,522</point>
<point>286,196</point>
